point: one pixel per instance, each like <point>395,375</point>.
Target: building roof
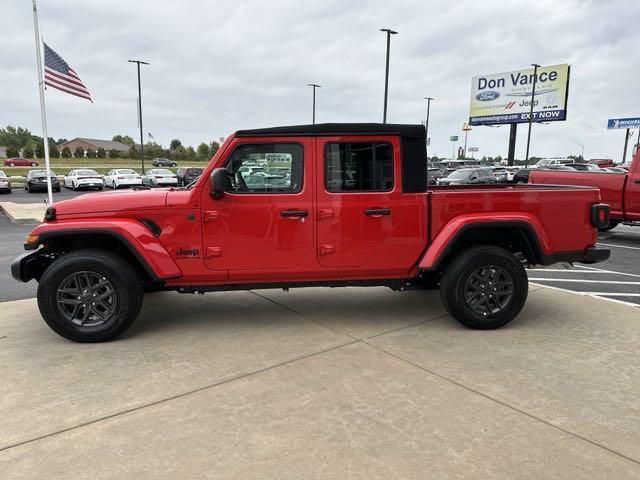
<point>97,143</point>
<point>404,130</point>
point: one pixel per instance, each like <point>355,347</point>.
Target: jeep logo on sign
<point>187,252</point>
<point>486,96</point>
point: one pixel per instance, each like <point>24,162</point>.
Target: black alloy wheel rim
<point>488,290</point>
<point>87,299</point>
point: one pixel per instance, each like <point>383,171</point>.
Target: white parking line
<point>609,294</point>
<point>618,246</point>
<point>576,280</point>
<point>607,271</point>
<point>606,299</point>
<point>562,270</point>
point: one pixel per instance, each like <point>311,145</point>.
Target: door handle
<point>377,211</point>
<point>294,213</point>
<point>636,180</point>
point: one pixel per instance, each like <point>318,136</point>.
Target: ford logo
<point>486,96</point>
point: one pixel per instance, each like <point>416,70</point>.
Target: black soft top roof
<point>404,130</point>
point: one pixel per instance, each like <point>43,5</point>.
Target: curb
<point>22,220</point>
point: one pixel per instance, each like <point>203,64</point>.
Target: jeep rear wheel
<point>484,287</point>
<point>90,295</point>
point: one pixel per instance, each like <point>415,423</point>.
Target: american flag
<point>58,74</point>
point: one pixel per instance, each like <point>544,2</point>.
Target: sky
<point>220,66</point>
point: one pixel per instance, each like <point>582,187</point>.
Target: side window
<point>358,167</point>
<point>266,168</point>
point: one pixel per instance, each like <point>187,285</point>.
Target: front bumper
<point>27,266</point>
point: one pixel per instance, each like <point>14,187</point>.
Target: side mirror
<point>220,182</point>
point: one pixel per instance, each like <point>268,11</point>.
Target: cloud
<point>216,67</point>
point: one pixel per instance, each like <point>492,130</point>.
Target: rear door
<point>364,221</point>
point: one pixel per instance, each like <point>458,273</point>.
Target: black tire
<point>461,285</point>
<point>12,164</point>
<point>121,307</point>
<point>34,164</point>
<point>612,224</point>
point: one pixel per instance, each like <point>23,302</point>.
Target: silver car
<point>160,177</point>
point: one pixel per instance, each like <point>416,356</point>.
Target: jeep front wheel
<point>90,295</point>
<point>484,287</point>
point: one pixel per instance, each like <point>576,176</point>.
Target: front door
<point>365,222</point>
<point>264,225</point>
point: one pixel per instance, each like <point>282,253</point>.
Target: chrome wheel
<point>87,299</point>
<point>488,290</point>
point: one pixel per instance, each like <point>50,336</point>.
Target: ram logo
<point>487,96</point>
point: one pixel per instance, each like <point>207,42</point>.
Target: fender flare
<point>138,238</point>
<point>443,243</point>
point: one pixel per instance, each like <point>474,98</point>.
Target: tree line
<point>20,141</point>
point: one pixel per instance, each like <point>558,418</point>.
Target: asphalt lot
<point>20,195</point>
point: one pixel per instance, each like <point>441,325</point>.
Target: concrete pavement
<point>325,383</point>
<point>23,212</point>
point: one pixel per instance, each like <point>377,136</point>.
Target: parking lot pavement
<point>617,279</point>
<point>12,238</point>
<point>308,385</point>
<point>20,195</point>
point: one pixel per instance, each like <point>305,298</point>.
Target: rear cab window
<point>358,167</point>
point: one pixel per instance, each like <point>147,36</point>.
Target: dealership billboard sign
<point>506,97</point>
<point>614,123</point>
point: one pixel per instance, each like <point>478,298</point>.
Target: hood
<point>113,202</point>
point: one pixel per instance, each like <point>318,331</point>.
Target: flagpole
<point>43,110</point>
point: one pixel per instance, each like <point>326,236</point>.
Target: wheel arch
<point>516,236</point>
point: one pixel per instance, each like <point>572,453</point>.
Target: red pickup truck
<point>310,205</point>
<point>621,191</point>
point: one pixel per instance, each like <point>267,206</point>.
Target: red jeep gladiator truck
<point>309,205</point>
<point>621,191</point>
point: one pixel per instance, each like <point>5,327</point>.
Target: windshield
<point>87,172</point>
<point>41,174</point>
<point>194,171</point>
<point>543,162</point>
<point>162,171</point>
<point>458,174</point>
<point>126,171</point>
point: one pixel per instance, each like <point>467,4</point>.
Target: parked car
<point>433,174</point>
<point>621,192</point>
<point>160,177</point>
<point>468,176</point>
<point>122,177</point>
<point>456,164</point>
<point>584,167</point>
<point>20,162</point>
<point>602,162</point>
<point>186,175</point>
<point>220,234</point>
<point>522,175</point>
<point>615,170</point>
<point>37,180</point>
<point>5,183</point>
<point>546,162</point>
<point>164,162</point>
<point>83,178</point>
<point>503,174</point>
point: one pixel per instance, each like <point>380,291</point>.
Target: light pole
<point>314,86</point>
<point>533,92</point>
<point>138,62</point>
<point>389,32</point>
<point>426,126</point>
<point>581,149</point>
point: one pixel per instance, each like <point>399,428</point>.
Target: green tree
<point>175,144</point>
<point>40,149</point>
<point>91,153</point>
<point>78,152</point>
<point>27,152</point>
<point>101,153</point>
<point>134,152</point>
<point>179,153</point>
<point>15,137</point>
<point>215,146</point>
<point>60,141</point>
<point>126,139</point>
<point>191,153</point>
<point>114,153</point>
<point>204,151</point>
<point>12,151</point>
<point>66,152</point>
<point>54,152</point>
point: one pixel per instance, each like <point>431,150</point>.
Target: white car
<point>83,178</point>
<point>5,183</point>
<point>160,177</point>
<point>122,177</point>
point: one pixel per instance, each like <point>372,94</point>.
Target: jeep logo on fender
<point>187,252</point>
<point>486,96</point>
